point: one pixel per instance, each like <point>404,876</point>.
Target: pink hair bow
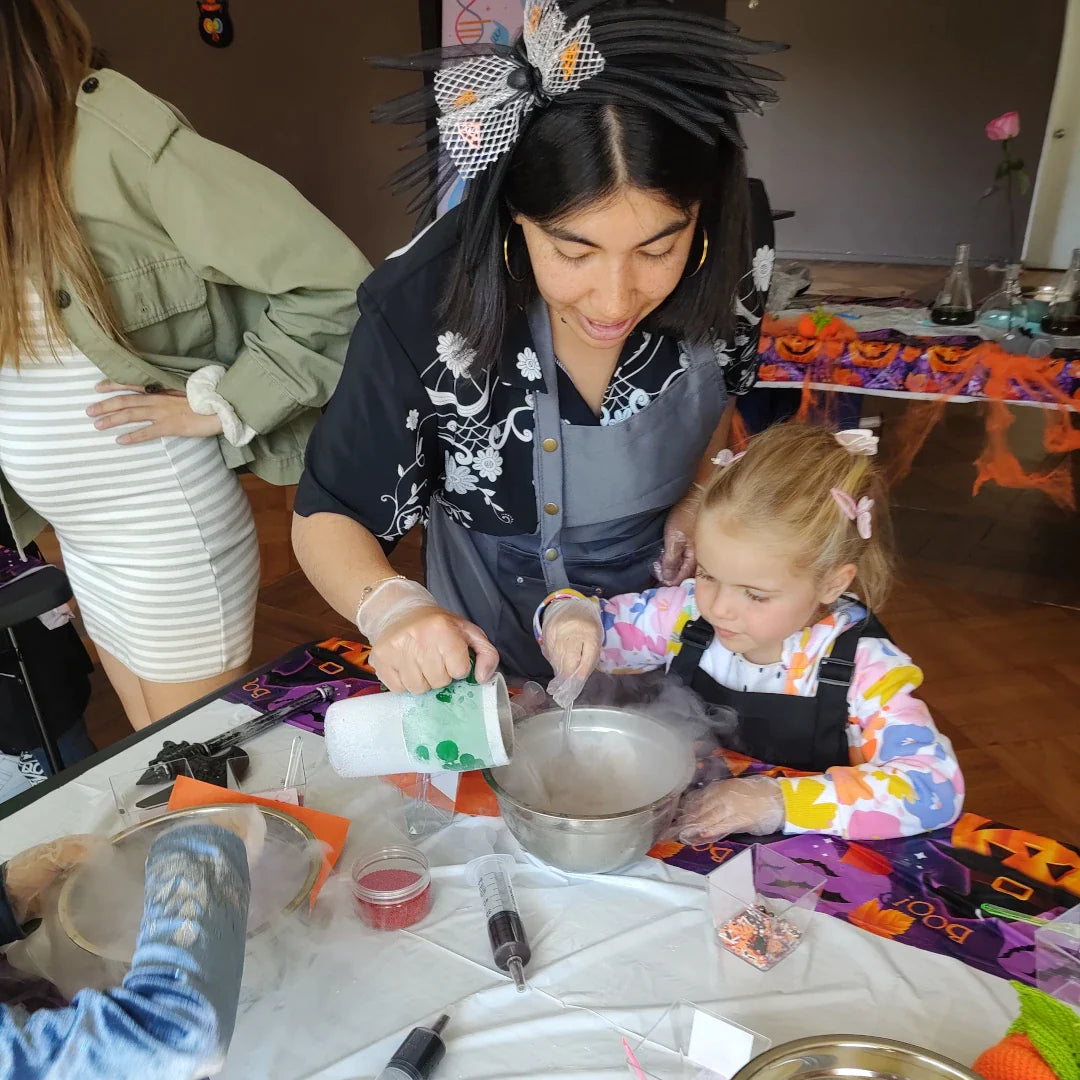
<point>861,441</point>
<point>726,458</point>
<point>859,512</point>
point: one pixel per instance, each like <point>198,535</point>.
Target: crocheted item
<point>1014,1058</point>
<point>1042,1043</point>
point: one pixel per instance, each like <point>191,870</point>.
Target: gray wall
<point>877,142</point>
<point>293,91</point>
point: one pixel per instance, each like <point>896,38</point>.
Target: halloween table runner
<point>924,891</point>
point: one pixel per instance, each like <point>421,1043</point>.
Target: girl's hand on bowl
<point>747,804</point>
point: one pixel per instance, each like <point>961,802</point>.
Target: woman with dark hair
<point>542,375</point>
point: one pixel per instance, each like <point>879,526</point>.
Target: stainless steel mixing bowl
<point>597,843</point>
<point>822,1057</point>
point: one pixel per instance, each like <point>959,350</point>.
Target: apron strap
<point>696,637</point>
<point>548,453</point>
<point>836,670</point>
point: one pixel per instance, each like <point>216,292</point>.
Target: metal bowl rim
<point>63,903</point>
<point>652,807</point>
<point>832,1042</point>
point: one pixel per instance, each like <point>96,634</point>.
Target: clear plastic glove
<point>678,561</point>
<point>30,874</point>
<point>747,804</point>
<point>249,823</point>
<point>573,636</point>
<point>418,646</point>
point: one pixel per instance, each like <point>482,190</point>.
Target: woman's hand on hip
<point>428,647</point>
<point>163,412</point>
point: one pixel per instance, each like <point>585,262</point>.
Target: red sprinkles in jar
<point>392,888</point>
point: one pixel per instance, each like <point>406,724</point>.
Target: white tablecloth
<point>327,998</point>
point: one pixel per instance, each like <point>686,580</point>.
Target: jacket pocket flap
<point>151,294</point>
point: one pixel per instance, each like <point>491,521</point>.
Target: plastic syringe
<point>509,945</point>
<point>417,1056</point>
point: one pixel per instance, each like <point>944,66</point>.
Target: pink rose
<point>1006,126</point>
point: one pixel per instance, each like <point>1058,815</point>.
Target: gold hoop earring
<point>704,253</point>
<point>506,258</point>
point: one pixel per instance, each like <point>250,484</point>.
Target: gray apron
<point>602,496</point>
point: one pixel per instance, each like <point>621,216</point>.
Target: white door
<point>1054,224</point>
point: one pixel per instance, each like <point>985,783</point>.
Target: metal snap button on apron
<point>551,554</point>
<point>550,445</point>
<point>551,508</point>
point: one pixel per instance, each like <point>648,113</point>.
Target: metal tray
<point>280,826</point>
<point>853,1057</point>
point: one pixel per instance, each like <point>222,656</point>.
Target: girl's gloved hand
<point>572,637</point>
<point>418,646</point>
<point>747,804</point>
<point>29,875</point>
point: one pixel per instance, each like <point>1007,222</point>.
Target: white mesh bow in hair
<point>860,441</point>
<point>483,101</point>
<point>859,512</point>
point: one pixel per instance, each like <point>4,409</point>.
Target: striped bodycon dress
<point>157,538</point>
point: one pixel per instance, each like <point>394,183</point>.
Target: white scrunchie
<point>204,399</point>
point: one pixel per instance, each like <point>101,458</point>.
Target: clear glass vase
<point>1063,316</point>
<point>1004,310</point>
<point>954,306</point>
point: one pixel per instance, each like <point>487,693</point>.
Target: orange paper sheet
<point>330,829</point>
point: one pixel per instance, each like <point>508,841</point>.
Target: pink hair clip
<point>861,441</point>
<point>726,458</point>
<point>859,512</point>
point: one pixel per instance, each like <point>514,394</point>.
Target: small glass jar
<point>392,888</point>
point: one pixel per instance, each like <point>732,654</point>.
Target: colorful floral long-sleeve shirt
<point>904,777</point>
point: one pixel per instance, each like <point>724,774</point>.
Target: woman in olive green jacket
<point>169,313</point>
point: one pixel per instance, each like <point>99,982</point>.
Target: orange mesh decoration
<point>915,425</point>
<point>806,403</point>
<point>997,462</point>
<point>1059,435</point>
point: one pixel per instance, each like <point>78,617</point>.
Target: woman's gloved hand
<point>678,561</point>
<point>29,875</point>
<point>418,646</point>
<point>572,637</point>
<point>747,804</point>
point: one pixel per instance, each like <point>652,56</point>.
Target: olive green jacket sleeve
<point>236,223</point>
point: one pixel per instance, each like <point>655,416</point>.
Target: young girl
<point>770,629</point>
